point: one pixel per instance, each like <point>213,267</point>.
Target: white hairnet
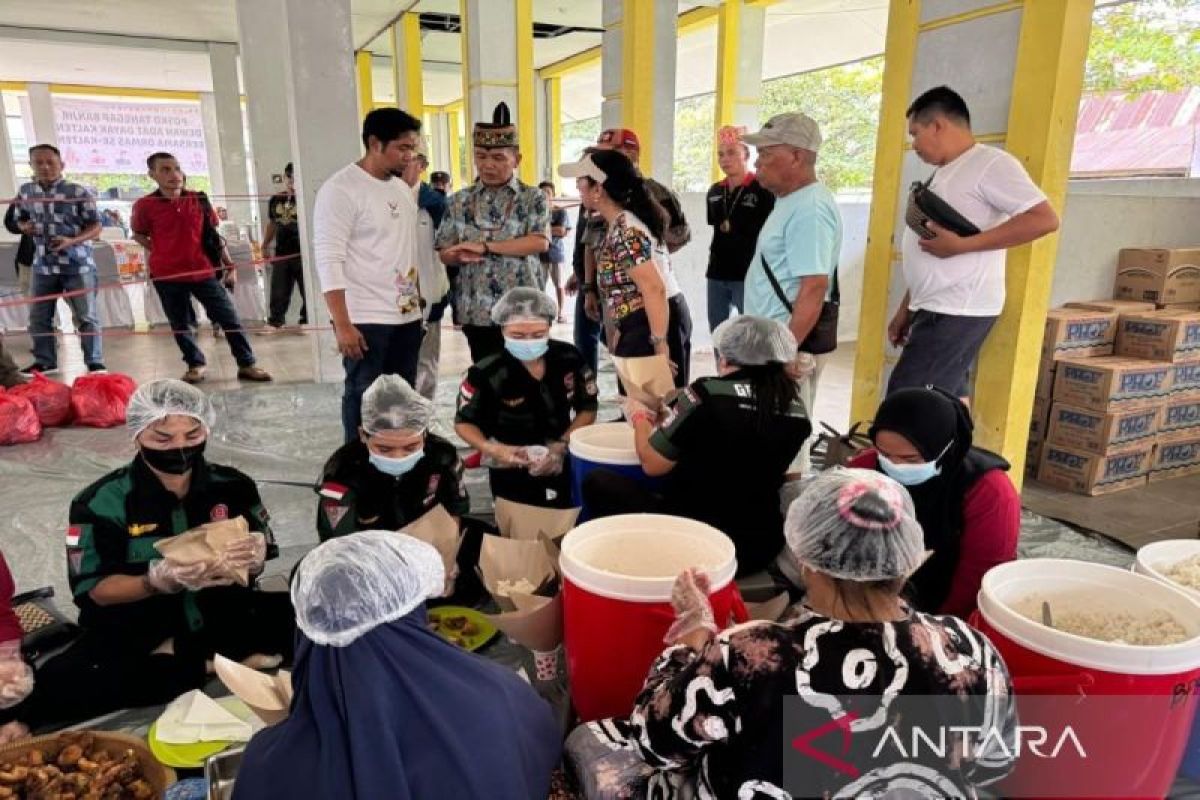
<point>390,404</point>
<point>855,524</point>
<point>524,305</point>
<point>353,584</point>
<point>753,341</point>
<point>160,399</point>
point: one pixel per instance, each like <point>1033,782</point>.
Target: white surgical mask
<point>527,349</point>
<point>913,474</point>
<point>395,466</point>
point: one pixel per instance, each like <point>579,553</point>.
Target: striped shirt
<point>65,210</point>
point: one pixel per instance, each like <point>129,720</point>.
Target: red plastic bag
<point>18,421</point>
<point>99,401</point>
<point>51,399</point>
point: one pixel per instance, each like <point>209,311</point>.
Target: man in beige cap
<point>793,275</point>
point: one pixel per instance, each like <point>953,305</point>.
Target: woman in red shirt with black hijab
<point>966,504</point>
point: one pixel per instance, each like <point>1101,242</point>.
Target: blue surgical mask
<point>527,349</point>
<point>396,466</point>
<point>912,474</point>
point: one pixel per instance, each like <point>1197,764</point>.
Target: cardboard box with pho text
<point>1160,336</point>
<point>1094,473</point>
<point>1111,383</point>
<point>1159,275</point>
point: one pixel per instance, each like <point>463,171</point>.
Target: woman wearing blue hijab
<point>383,707</point>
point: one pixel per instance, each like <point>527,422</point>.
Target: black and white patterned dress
<point>710,724</point>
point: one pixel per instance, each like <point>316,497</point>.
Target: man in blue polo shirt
<point>800,242</point>
<point>62,219</point>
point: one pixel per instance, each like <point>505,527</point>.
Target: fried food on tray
<point>456,623</point>
<point>72,768</point>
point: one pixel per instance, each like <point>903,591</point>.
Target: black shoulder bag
<point>823,337</point>
<point>924,206</point>
<point>211,240</point>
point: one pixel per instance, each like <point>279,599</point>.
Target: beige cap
<point>795,129</point>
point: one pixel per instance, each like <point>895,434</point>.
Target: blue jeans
<point>587,334</point>
<point>83,309</point>
<point>721,296</point>
<point>176,297</point>
<point>391,350</point>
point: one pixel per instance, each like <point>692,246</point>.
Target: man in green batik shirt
<point>492,235</point>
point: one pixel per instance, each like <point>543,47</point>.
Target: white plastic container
<point>1154,558</point>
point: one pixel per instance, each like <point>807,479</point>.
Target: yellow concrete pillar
<point>526,109</point>
<point>463,22</point>
<point>554,117</point>
<point>453,121</point>
<point>637,67</point>
<point>1047,85</point>
<point>406,63</point>
<point>901,51</point>
<point>366,94</point>
<point>729,22</point>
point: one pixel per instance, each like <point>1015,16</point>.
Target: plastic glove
<point>496,454</point>
<point>451,579</point>
<point>13,731</point>
<point>16,677</point>
<point>693,612</point>
<point>632,409</point>
<point>802,366</point>
<point>170,578</point>
<point>551,463</point>
<point>248,553</point>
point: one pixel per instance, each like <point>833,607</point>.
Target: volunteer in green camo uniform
<point>150,625</point>
<point>519,407</point>
<point>724,444</point>
<point>395,471</point>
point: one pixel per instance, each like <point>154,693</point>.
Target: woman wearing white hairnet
<point>385,708</point>
<point>724,444</point>
<point>519,407</point>
<point>150,625</point>
<point>395,471</point>
<point>718,709</point>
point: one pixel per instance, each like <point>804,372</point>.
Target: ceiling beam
<point>21,33</point>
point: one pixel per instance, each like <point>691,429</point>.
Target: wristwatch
<point>657,340</point>
<point>487,248</point>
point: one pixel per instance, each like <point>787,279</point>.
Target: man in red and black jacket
<point>172,224</point>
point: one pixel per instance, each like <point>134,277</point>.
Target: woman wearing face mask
<point>395,471</point>
<point>149,625</point>
<point>966,504</point>
<point>519,407</point>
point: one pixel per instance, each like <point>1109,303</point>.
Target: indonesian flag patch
<point>334,491</point>
<point>73,535</point>
<point>466,391</point>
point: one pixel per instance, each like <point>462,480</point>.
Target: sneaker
<point>252,373</point>
<point>97,369</point>
<point>42,368</point>
<point>269,330</point>
<point>193,375</point>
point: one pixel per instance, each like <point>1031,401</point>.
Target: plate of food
<point>464,627</point>
<point>78,763</point>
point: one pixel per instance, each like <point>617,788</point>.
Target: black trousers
<point>285,276</point>
<point>100,673</point>
<point>483,341</point>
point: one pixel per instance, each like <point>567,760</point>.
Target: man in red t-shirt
<point>170,224</point>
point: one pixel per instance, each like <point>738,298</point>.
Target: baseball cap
<point>583,168</point>
<point>793,128</point>
<point>619,137</point>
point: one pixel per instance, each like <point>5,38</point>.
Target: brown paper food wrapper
<point>769,610</point>
<point>205,544</point>
<point>503,559</point>
<point>646,379</point>
<point>438,528</point>
<point>268,696</point>
<point>536,622</point>
<point>519,521</point>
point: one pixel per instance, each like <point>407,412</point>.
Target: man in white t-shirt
<point>955,284</point>
<point>365,242</point>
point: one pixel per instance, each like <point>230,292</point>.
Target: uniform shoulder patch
<point>332,490</point>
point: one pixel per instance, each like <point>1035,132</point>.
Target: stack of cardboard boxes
<point>1118,396</point>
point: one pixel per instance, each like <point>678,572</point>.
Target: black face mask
<point>174,461</point>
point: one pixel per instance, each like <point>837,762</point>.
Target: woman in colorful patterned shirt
<point>857,665</point>
<point>630,282</point>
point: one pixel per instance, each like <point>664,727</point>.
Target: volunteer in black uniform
<point>149,625</point>
<point>395,471</point>
<point>516,407</point>
<point>724,444</point>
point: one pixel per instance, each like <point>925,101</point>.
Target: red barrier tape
<point>21,201</point>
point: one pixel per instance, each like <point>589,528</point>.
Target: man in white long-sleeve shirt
<point>365,240</point>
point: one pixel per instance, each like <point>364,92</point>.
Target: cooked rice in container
<point>1185,573</point>
<point>1145,629</point>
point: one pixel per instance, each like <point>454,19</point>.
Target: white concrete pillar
<point>319,79</point>
<point>439,138</point>
<point>491,76</point>
<point>212,146</point>
<point>41,108</point>
<point>638,51</point>
<point>8,170</point>
<point>227,101</point>
<point>545,170</point>
<point>262,42</point>
<point>741,66</point>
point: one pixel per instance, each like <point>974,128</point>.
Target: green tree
<point>694,140</point>
<point>1144,46</point>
